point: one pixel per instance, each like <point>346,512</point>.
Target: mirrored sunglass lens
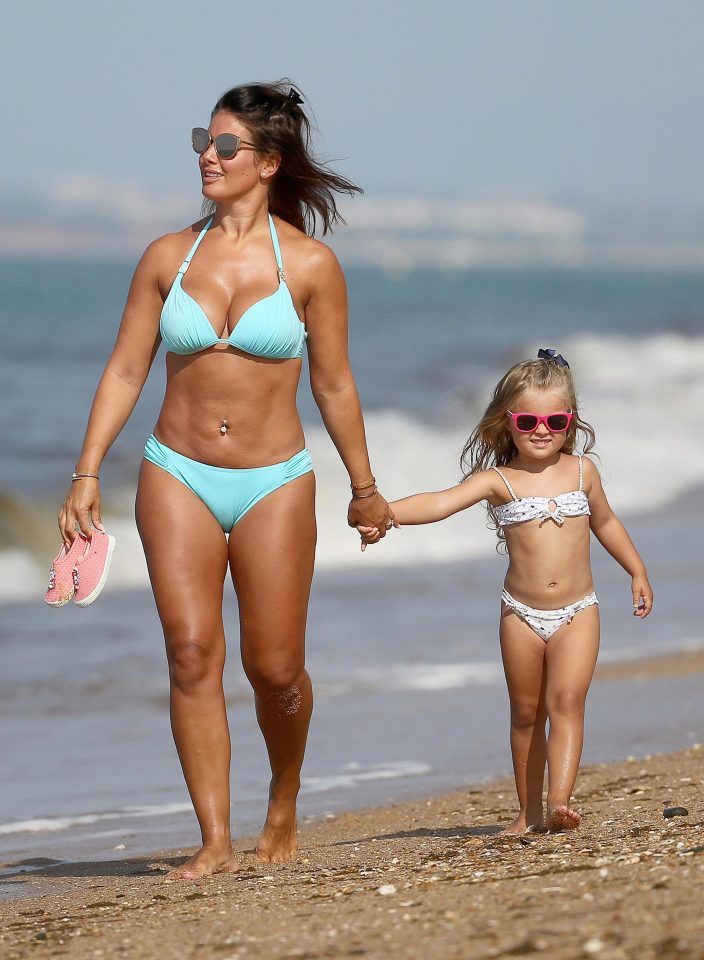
<point>526,422</point>
<point>557,421</point>
<point>226,145</point>
<point>200,138</point>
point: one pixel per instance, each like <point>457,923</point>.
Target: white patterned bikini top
<point>521,509</point>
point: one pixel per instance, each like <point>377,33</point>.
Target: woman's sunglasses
<point>528,422</point>
<point>226,144</point>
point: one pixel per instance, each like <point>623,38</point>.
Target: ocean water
<point>402,639</point>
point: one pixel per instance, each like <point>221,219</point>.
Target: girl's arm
<point>333,386</point>
<point>118,391</point>
<point>613,537</point>
<point>430,507</point>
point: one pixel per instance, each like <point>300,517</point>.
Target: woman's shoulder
<point>162,253</point>
<point>308,252</point>
<point>171,242</point>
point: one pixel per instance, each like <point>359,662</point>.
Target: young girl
<point>544,499</point>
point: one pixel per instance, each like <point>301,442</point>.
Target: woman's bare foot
<point>208,861</point>
<point>563,818</point>
<point>278,842</point>
<point>520,825</point>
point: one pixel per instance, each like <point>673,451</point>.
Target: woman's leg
<point>186,553</point>
<point>272,550</point>
<point>570,658</point>
<point>523,653</point>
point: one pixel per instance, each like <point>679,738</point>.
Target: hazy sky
<point>550,98</point>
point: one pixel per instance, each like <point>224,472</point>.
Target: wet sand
<point>680,663</point>
<point>428,879</point>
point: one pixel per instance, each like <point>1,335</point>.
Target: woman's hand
<point>642,596</point>
<point>81,507</point>
<point>371,512</point>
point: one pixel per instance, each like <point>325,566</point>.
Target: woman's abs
<point>231,414</point>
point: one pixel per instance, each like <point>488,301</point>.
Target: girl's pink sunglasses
<point>529,422</point>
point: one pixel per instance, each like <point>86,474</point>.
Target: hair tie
<point>548,354</point>
<point>287,106</point>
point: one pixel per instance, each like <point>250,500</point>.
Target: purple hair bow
<point>548,354</point>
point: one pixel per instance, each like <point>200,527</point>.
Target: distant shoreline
<point>113,218</point>
<point>386,256</point>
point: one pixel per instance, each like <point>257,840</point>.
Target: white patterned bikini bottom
<point>547,622</point>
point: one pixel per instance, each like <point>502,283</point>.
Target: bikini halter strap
<point>581,472</point>
<point>505,480</point>
<point>184,266</point>
<point>274,239</point>
<point>277,248</point>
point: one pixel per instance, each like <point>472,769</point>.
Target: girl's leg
<point>570,657</point>
<point>272,550</point>
<point>523,655</point>
<point>186,553</point>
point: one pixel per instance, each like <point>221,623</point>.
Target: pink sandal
<point>93,567</point>
<point>63,578</point>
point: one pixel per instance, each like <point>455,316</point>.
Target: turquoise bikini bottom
<point>227,493</point>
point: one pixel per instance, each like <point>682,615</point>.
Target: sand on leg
<point>570,656</point>
<point>523,654</point>
<point>272,550</point>
<point>186,554</point>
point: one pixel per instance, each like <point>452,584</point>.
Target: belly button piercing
<point>223,427</point>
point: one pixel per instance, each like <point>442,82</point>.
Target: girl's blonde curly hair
<point>491,443</point>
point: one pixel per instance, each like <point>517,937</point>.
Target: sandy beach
<point>428,879</point>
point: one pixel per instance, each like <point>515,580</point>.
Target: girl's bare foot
<point>563,818</point>
<point>208,861</point>
<point>278,842</point>
<point>520,825</point>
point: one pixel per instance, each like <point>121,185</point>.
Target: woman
<point>226,479</point>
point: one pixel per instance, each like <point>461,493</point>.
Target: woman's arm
<point>614,538</point>
<point>333,387</point>
<point>118,391</point>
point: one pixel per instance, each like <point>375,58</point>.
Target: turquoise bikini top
<point>269,328</point>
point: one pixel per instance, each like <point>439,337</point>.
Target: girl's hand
<point>642,596</point>
<point>81,507</point>
<point>369,535</point>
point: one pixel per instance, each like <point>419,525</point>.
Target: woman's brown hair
<point>303,189</point>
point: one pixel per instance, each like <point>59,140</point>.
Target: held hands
<point>372,534</point>
<point>372,516</point>
<point>642,596</point>
<point>80,508</point>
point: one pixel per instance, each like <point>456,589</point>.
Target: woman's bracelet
<point>363,486</point>
<point>84,476</point>
<point>364,496</point>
